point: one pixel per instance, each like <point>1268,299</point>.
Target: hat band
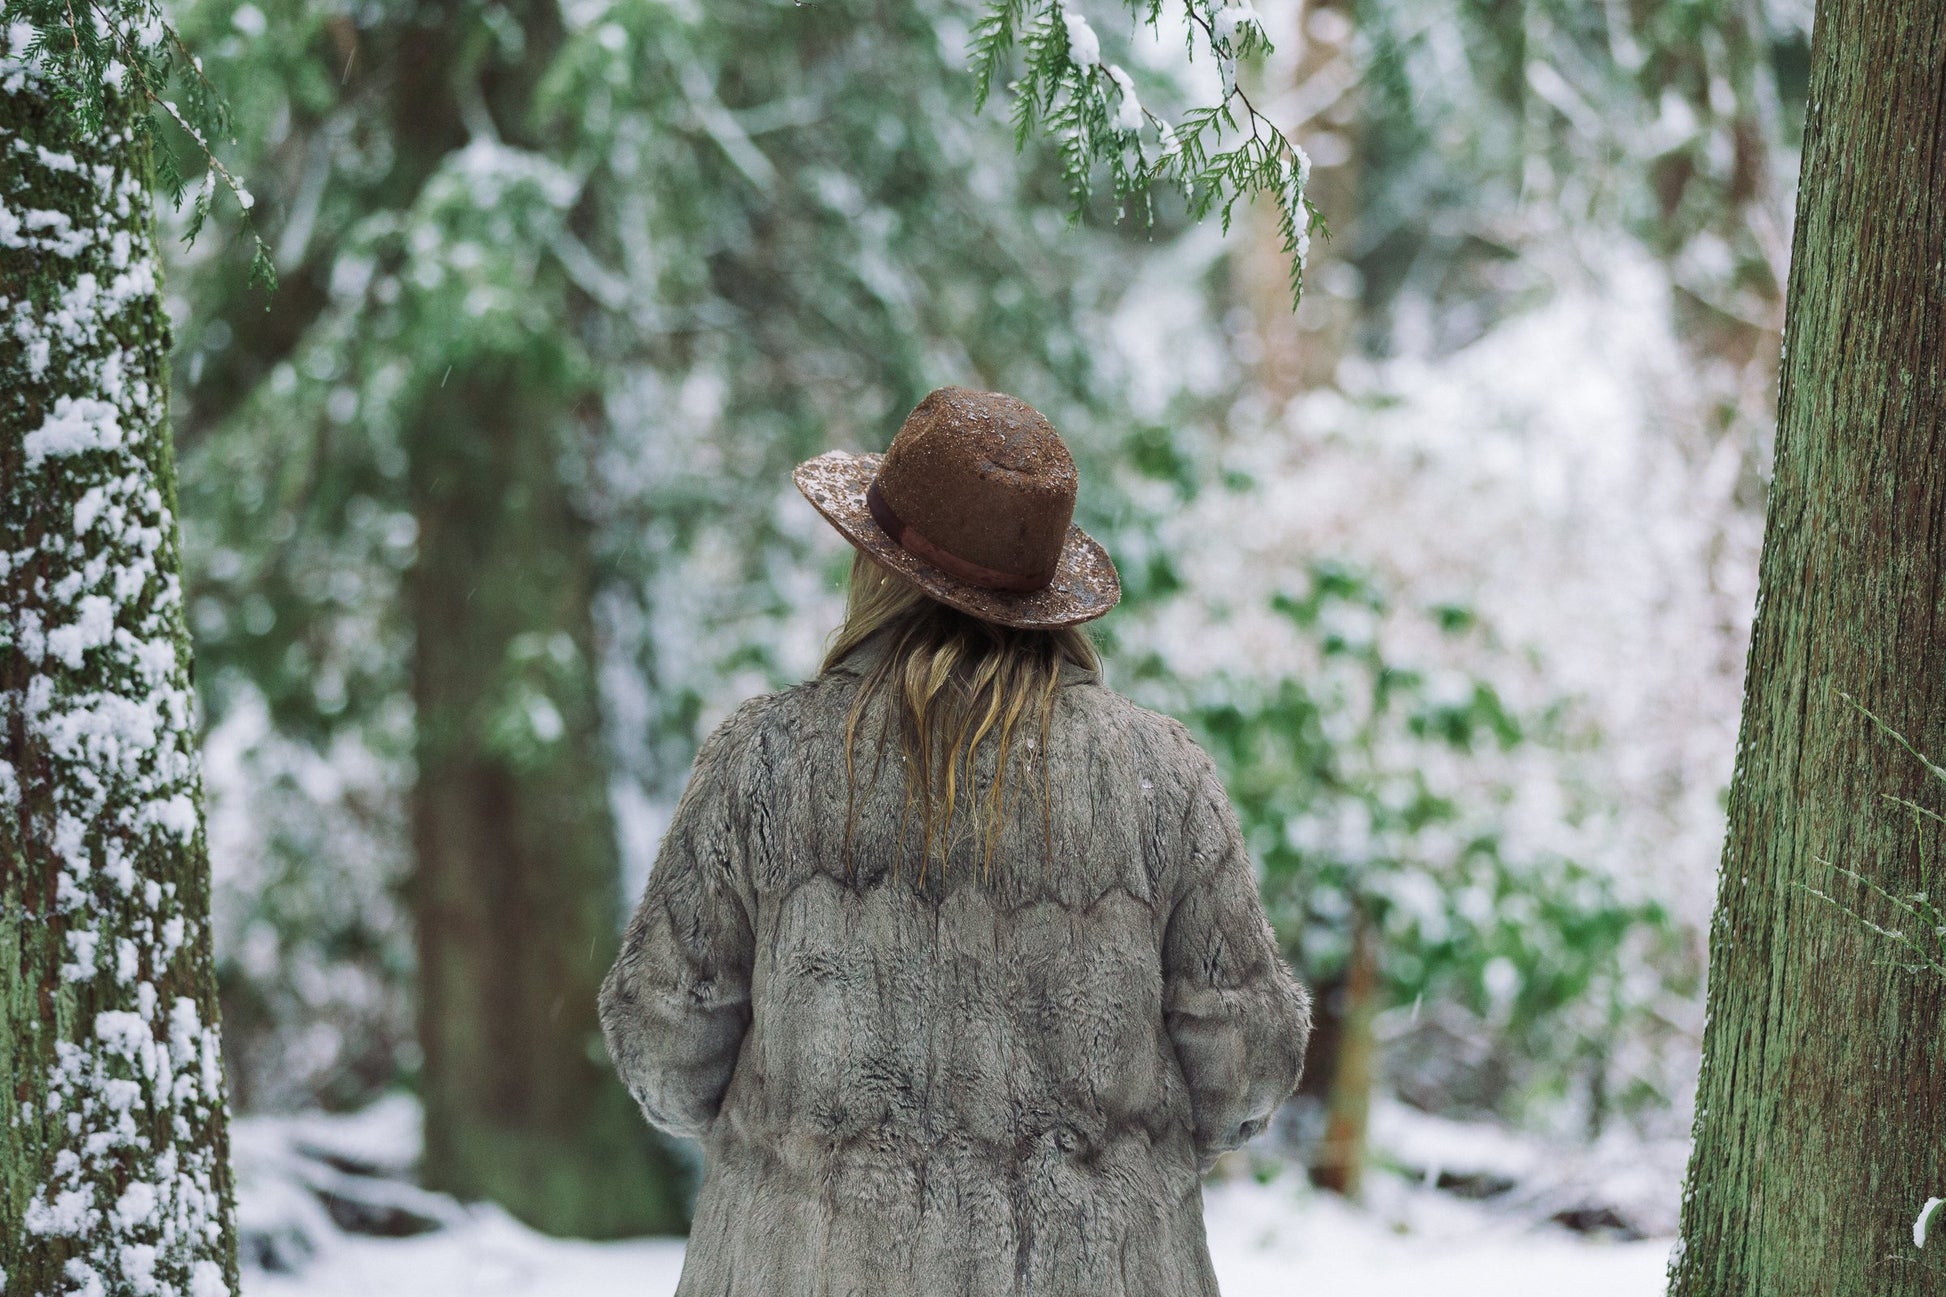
<point>915,543</point>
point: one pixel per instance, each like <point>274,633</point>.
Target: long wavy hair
<point>955,682</point>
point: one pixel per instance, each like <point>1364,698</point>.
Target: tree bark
<point>516,885</point>
<point>1353,1063</point>
<point>515,888</point>
<point>1819,1129</point>
<point>114,1156</point>
<point>1300,350</point>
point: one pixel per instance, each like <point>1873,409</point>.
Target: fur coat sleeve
<point>1238,1017</point>
<point>676,1003</point>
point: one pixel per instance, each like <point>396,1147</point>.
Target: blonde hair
<point>954,681</point>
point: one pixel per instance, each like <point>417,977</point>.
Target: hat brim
<point>1085,583</point>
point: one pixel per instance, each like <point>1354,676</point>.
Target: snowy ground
<point>1274,1239</point>
<point>1263,1245</point>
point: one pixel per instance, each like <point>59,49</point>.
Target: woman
<point>952,957</point>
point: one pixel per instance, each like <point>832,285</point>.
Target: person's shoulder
<point>1161,737</point>
<point>753,723</point>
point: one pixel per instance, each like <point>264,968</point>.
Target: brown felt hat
<point>973,502</point>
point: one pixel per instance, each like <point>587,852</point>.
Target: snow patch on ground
<point>1269,1237</point>
<point>1264,1240</point>
<point>1270,1240</point>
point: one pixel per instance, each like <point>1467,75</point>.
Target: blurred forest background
<point>488,517</point>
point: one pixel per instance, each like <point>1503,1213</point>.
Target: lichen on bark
<point>114,1175</point>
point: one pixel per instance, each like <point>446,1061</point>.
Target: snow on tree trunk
<point>1821,1114</point>
<point>114,1168</point>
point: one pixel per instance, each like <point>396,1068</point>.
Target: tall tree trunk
<point>516,890</point>
<point>1300,350</point>
<point>1312,78</point>
<point>516,885</point>
<point>114,1156</point>
<point>1353,1067</point>
<point>1819,1127</point>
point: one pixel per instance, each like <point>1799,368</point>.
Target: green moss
<point>105,848</point>
<point>1819,1132</point>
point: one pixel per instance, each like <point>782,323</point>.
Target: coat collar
<point>865,656</point>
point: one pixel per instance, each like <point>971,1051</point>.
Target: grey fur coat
<point>983,1087</point>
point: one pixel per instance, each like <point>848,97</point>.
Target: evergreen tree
<point>1818,1130</point>
<point>505,243</point>
<point>1476,161</point>
<point>718,241</point>
<point>114,1172</point>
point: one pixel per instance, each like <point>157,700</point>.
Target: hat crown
<point>984,478</point>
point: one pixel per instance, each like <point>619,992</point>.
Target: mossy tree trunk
<point>1821,1115</point>
<point>114,1168</point>
<point>516,883</point>
<point>516,861</point>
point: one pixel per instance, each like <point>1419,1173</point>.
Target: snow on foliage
<point>1084,47</point>
<point>134,1196</point>
<point>306,848</point>
<point>1588,573</point>
<point>1535,477</point>
<point>831,233</point>
<point>1215,155</point>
